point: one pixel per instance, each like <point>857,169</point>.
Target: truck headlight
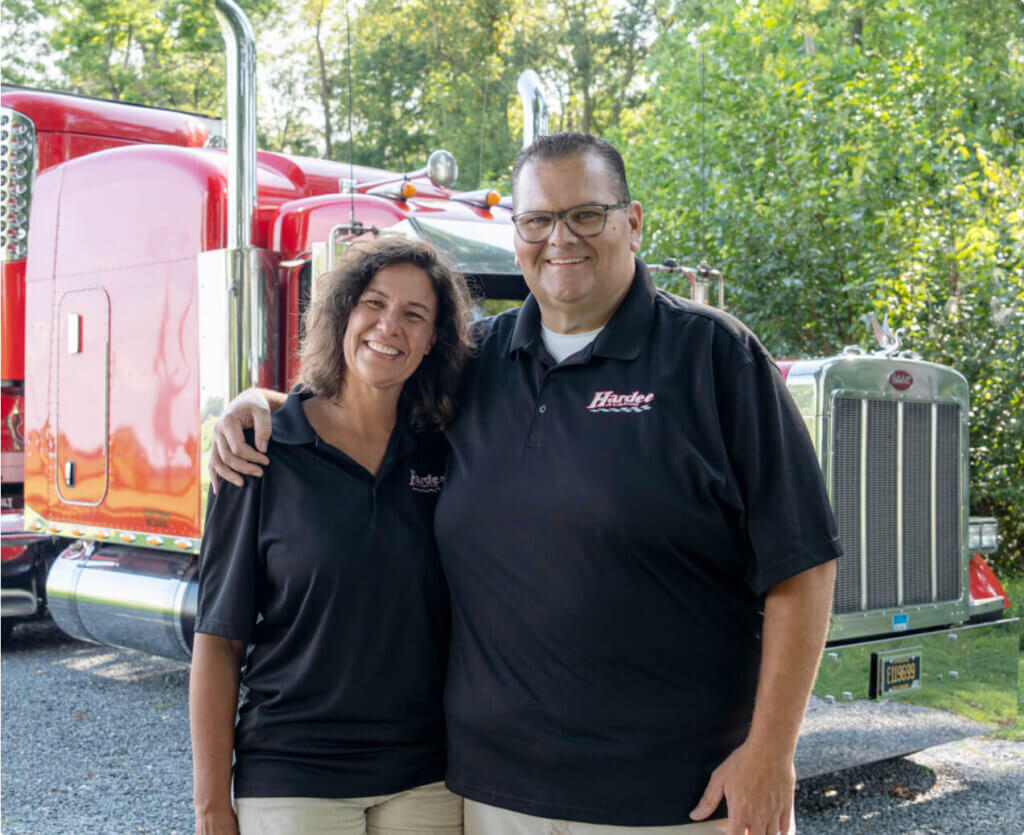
<point>983,534</point>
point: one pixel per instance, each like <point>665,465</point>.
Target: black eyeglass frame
<point>563,216</point>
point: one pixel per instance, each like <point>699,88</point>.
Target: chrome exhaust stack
<point>125,597</point>
<point>535,107</point>
<point>239,343</point>
<point>241,129</point>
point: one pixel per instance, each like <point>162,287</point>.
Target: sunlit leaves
<point>859,156</point>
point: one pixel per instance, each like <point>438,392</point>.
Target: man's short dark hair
<point>559,145</point>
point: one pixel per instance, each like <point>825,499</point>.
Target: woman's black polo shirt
<point>332,577</point>
<point>608,530</point>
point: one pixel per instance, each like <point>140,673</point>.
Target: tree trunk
<point>325,101</point>
<point>857,30</point>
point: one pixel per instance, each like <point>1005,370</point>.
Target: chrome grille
<point>900,531</point>
<point>17,174</point>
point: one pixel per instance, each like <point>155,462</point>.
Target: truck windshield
<point>478,248</point>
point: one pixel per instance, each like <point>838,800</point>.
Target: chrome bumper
<point>968,687</point>
<point>18,603</point>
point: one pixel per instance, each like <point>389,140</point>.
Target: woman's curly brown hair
<point>428,396</point>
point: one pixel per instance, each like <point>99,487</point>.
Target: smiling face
<point>391,327</point>
<point>578,282</point>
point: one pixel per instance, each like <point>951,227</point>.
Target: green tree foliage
<point>27,57</point>
<point>161,52</point>
<point>443,73</point>
<point>596,49</point>
<point>429,75</point>
<point>860,156</point>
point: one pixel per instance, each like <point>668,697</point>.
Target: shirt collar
<point>622,338</point>
<point>289,424</point>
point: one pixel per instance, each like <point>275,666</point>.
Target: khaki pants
<point>481,819</point>
<point>426,810</point>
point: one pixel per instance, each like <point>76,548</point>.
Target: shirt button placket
<point>537,433</point>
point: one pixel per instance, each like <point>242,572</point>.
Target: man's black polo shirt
<point>332,577</point>
<point>609,528</point>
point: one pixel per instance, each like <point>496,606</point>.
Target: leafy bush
<point>859,158</point>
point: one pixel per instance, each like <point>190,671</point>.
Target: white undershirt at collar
<point>562,345</point>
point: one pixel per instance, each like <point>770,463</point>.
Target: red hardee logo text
<point>900,379</point>
<point>425,483</point>
<point>609,401</point>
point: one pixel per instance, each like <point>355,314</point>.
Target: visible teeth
<point>383,349</point>
<point>567,260</point>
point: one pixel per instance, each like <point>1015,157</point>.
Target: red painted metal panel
<point>12,320</point>
<point>39,316</point>
<point>82,350</point>
<point>62,113</point>
<point>55,148</point>
<point>12,553</point>
<point>132,222</point>
<point>984,583</point>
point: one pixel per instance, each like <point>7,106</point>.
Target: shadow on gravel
<point>897,778</point>
<point>38,634</point>
<point>901,796</point>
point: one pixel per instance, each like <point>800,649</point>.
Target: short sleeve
<point>229,562</point>
<point>789,521</point>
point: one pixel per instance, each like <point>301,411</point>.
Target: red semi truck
<point>154,265</point>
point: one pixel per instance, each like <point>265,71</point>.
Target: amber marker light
<point>78,531</point>
<point>182,544</point>
<point>127,537</point>
<point>154,540</point>
<point>36,526</point>
<point>55,529</point>
<point>102,534</point>
<point>492,198</point>
<point>408,190</point>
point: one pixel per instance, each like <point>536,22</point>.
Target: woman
<point>324,576</point>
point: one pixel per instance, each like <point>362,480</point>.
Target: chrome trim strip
<point>98,534</point>
<point>238,304</point>
<point>933,498</point>
<point>863,505</point>
<point>240,45</point>
<point>899,503</point>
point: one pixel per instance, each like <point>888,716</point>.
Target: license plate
<point>899,672</point>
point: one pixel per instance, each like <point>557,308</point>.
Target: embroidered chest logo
<point>425,483</point>
<point>609,401</point>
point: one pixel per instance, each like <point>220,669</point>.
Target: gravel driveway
<point>95,740</point>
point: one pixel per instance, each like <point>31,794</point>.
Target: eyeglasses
<point>584,221</point>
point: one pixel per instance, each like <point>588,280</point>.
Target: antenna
<point>483,132</point>
<point>351,152</point>
<point>703,170</point>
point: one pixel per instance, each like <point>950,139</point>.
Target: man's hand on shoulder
<point>758,787</point>
<point>230,455</point>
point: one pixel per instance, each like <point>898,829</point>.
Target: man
<point>629,489</point>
